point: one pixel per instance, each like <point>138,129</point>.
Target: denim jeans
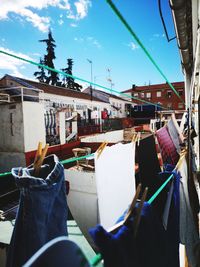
<point>42,213</point>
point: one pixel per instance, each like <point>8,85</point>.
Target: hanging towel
<point>168,150</point>
<point>42,213</point>
<point>115,179</point>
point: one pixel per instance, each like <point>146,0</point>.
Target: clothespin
<point>101,148</point>
<point>134,137</point>
<point>39,158</point>
<point>130,211</point>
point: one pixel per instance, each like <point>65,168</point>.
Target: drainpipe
<point>179,8</point>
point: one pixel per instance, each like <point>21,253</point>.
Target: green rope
<point>80,79</point>
<point>116,11</point>
<point>62,161</point>
<point>159,189</point>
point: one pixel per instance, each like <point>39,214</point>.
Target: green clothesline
<point>98,258</point>
<point>62,161</point>
<point>80,79</point>
<point>116,11</point>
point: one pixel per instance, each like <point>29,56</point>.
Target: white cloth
<point>115,178</point>
<point>188,234</point>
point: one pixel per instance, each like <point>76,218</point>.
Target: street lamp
<point>90,61</point>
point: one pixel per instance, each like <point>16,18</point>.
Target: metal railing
<point>17,94</point>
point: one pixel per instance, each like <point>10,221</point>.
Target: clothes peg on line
<point>39,157</point>
<point>101,148</point>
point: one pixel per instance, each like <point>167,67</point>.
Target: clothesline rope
<point>62,161</point>
<point>81,79</point>
<point>116,11</point>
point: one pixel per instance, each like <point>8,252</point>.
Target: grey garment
<point>174,135</point>
<point>188,234</point>
<point>167,206</point>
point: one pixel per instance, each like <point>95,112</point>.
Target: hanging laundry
<point>188,232</point>
<point>174,134</point>
<point>115,179</point>
<point>60,252</point>
<point>168,150</point>
<point>153,245</point>
<point>149,165</point>
<point>42,213</point>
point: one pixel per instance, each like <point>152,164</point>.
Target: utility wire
<point>116,11</point>
<point>80,79</point>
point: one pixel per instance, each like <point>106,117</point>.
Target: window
<point>136,94</point>
<point>148,95</point>
<point>158,93</point>
<point>169,94</point>
<point>180,92</point>
<point>142,95</point>
<point>180,105</point>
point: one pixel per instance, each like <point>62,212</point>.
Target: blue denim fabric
<point>42,213</point>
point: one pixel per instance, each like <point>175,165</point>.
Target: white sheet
<point>115,179</point>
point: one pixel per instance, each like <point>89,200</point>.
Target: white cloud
<point>156,35</point>
<point>73,25</point>
<point>81,12</point>
<point>28,10</point>
<point>89,40</point>
<point>60,22</point>
<point>133,46</point>
<point>10,64</point>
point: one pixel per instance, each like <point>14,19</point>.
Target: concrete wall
<point>9,160</point>
<point>111,137</point>
<point>34,125</point>
<point>12,129</point>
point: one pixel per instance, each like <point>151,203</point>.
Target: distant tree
<point>69,81</point>
<point>49,58</point>
<point>41,75</point>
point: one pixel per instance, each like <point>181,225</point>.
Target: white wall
<point>12,129</point>
<point>112,137</point>
<point>34,125</point>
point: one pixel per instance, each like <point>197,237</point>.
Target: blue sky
<point>85,29</point>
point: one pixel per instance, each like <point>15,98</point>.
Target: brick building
<point>160,94</point>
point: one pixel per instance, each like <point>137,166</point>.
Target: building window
<point>142,95</point>
<point>158,93</point>
<point>180,92</point>
<point>136,94</point>
<point>148,95</point>
<point>180,105</point>
<point>169,94</point>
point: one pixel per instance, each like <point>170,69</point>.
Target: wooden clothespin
<point>101,148</point>
<point>134,137</point>
<point>39,158</point>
